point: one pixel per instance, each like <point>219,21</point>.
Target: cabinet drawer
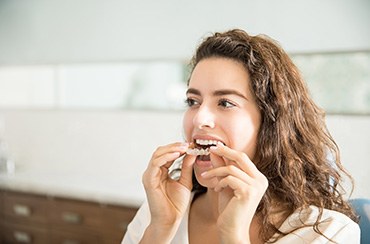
<point>67,237</point>
<point>25,208</point>
<point>115,221</point>
<point>2,231</point>
<point>15,233</point>
<point>74,214</point>
<point>1,204</point>
<point>29,218</point>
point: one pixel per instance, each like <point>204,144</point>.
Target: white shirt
<point>336,226</point>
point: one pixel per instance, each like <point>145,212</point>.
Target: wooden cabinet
<point>24,233</point>
<point>24,219</point>
<point>28,218</point>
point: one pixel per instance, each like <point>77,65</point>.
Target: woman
<point>260,170</point>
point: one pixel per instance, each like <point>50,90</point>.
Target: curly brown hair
<point>293,143</point>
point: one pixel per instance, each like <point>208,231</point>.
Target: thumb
<point>187,171</point>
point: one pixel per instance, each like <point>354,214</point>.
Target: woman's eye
<point>225,103</point>
<point>190,102</point>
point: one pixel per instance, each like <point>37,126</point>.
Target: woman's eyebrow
<point>217,93</point>
<point>193,91</point>
<point>229,92</point>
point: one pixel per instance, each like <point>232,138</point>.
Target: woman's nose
<point>204,118</point>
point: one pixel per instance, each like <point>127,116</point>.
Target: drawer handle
<point>72,218</point>
<point>22,210</point>
<point>22,237</point>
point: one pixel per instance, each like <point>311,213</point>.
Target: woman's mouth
<point>200,148</point>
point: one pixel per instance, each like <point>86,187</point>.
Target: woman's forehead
<point>213,74</point>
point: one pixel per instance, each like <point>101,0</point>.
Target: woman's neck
<point>205,212</point>
<point>207,203</point>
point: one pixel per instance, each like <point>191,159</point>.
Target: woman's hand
<point>168,199</point>
<point>241,187</point>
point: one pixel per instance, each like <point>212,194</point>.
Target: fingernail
<point>204,174</point>
<point>184,145</point>
<point>212,148</point>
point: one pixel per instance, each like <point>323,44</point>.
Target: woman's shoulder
<point>309,215</point>
<point>334,225</point>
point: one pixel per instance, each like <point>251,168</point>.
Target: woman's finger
<point>239,158</point>
<point>216,160</point>
<point>165,160</point>
<point>222,172</point>
<point>173,147</point>
<point>155,167</point>
<point>187,171</point>
<point>241,190</point>
<point>165,156</point>
<point>238,186</point>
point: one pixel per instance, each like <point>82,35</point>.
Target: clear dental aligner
<point>201,151</point>
<point>197,152</point>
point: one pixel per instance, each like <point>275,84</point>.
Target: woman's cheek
<point>187,125</point>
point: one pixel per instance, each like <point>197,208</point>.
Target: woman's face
<point>221,107</point>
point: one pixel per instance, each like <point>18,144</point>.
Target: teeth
<point>197,151</point>
<point>206,142</point>
<point>202,151</point>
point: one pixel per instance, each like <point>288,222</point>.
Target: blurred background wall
<point>41,31</point>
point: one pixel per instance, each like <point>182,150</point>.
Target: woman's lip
<point>203,163</point>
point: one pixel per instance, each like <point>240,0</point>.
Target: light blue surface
<point>362,208</point>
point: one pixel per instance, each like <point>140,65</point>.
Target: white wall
<point>120,143</point>
<point>60,31</point>
<point>352,134</point>
<point>112,143</point>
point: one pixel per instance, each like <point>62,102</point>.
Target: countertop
<point>103,189</point>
